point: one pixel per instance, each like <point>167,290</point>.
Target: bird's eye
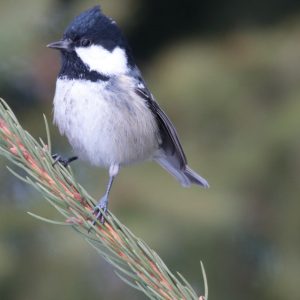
<point>85,42</point>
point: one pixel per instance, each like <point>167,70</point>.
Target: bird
<point>105,109</point>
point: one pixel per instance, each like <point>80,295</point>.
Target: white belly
<point>103,126</point>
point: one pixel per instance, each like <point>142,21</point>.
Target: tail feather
<point>185,176</point>
<point>195,178</point>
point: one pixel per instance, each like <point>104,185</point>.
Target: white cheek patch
<point>103,61</point>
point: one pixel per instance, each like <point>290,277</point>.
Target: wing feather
<point>170,141</point>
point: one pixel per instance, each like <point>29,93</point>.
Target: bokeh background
<point>228,75</point>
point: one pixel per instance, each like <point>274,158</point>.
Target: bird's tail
<point>186,176</point>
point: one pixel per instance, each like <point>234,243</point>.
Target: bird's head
<point>93,45</point>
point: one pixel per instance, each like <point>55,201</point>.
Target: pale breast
<point>106,123</point>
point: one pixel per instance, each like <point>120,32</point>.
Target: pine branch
<point>135,263</point>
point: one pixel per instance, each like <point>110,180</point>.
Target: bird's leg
<point>65,162</point>
<point>103,202</point>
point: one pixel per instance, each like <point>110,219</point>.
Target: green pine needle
<point>135,262</point>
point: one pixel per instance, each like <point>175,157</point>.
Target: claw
<point>99,211</point>
<point>65,162</point>
<point>99,215</point>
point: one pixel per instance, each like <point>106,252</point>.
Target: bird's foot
<point>65,162</point>
<point>101,209</point>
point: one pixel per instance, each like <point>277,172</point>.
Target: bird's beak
<point>61,45</point>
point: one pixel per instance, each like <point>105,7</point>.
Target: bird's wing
<point>170,142</point>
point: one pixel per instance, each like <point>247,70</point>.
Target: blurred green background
<point>228,75</point>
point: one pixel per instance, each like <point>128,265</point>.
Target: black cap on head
<point>85,22</point>
<point>96,27</point>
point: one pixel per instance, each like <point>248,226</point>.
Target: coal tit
<point>104,107</point>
